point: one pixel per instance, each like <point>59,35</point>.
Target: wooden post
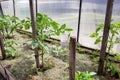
<point>36,6</point>
<point>2,47</point>
<point>1,38</point>
<point>72,58</point>
<point>5,74</point>
<point>1,10</point>
<point>34,32</point>
<point>105,36</point>
<point>79,19</point>
<point>14,8</point>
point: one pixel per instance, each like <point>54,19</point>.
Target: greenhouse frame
<point>60,39</point>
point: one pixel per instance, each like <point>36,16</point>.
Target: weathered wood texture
<point>1,10</point>
<point>72,58</point>
<point>5,74</point>
<point>34,32</point>
<point>105,36</point>
<point>14,10</point>
<point>2,47</point>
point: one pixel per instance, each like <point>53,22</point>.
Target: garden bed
<point>23,65</point>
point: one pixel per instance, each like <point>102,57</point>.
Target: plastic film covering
<point>93,13</point>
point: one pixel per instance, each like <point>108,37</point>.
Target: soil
<point>23,65</point>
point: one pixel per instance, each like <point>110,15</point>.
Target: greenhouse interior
<point>59,39</point>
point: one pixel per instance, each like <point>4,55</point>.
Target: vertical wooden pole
<point>34,32</point>
<point>14,8</point>
<point>72,59</point>
<point>1,10</point>
<point>36,6</point>
<point>1,38</point>
<point>105,36</point>
<point>2,47</point>
<point>79,20</point>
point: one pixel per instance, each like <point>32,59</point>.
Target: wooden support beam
<point>2,47</point>
<point>14,11</point>
<point>1,10</point>
<point>72,58</point>
<point>79,20</point>
<point>105,36</point>
<point>5,74</point>
<point>36,6</point>
<point>34,32</point>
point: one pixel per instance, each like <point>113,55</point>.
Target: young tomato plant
<point>10,49</point>
<point>8,25</point>
<point>59,29</point>
<point>113,35</point>
<point>112,69</point>
<point>112,39</point>
<point>45,28</point>
<point>24,24</point>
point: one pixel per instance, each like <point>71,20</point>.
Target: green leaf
<point>98,40</point>
<point>84,75</point>
<point>117,56</point>
<point>44,47</point>
<point>27,26</point>
<point>57,33</point>
<point>100,26</point>
<point>63,26</point>
<point>54,25</point>
<point>22,21</point>
<point>93,35</point>
<point>117,40</point>
<point>34,44</point>
<point>13,28</point>
<point>93,73</point>
<point>68,29</point>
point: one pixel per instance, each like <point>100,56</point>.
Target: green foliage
<point>24,24</point>
<point>112,68</point>
<point>45,28</point>
<point>112,39</point>
<point>38,43</point>
<point>57,51</point>
<point>8,24</point>
<point>94,55</point>
<point>84,75</point>
<point>113,35</point>
<point>57,29</point>
<point>117,56</point>
<point>10,50</point>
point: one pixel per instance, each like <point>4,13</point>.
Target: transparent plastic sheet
<point>93,13</point>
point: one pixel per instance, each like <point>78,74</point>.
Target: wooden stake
<point>105,36</point>
<point>72,59</point>
<point>5,74</point>
<point>34,32</point>
<point>2,47</point>
<point>14,10</point>
<point>1,10</point>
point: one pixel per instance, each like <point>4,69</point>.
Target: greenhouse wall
<point>93,13</point>
<point>67,11</point>
<point>62,11</point>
